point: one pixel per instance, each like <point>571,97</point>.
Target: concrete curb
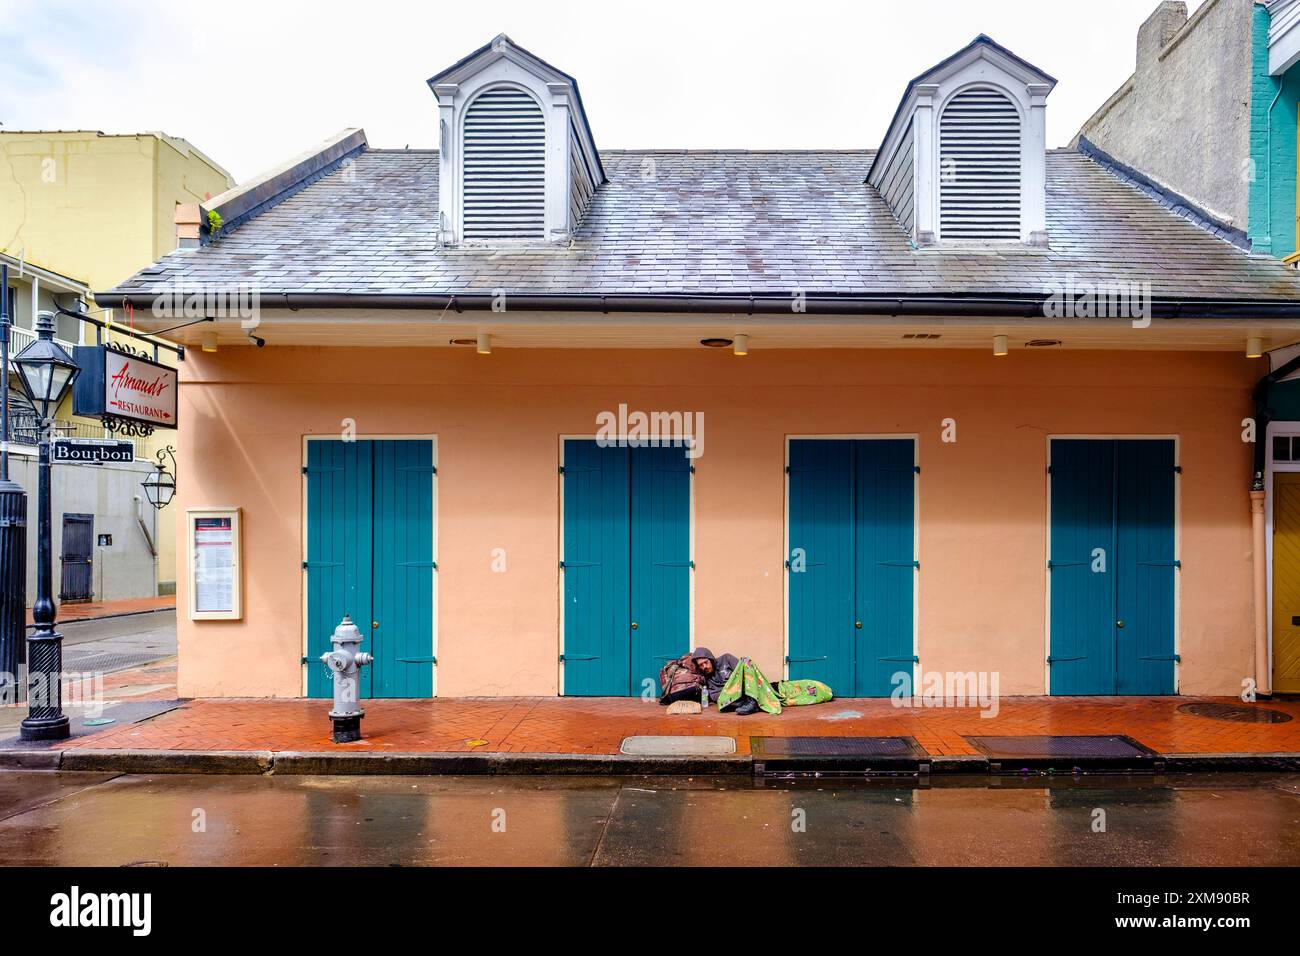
<point>168,761</point>
<point>30,759</point>
<point>295,764</point>
<point>114,614</point>
<point>369,763</point>
<point>1180,763</point>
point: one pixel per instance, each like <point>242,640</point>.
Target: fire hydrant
<point>346,661</point>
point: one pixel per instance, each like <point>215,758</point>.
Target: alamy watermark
<point>947,689</point>
<point>658,429</point>
<point>1106,299</point>
<point>217,300</point>
<point>84,691</point>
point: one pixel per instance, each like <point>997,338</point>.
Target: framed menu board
<point>215,546</point>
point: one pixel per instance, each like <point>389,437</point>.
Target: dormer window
<point>979,166</point>
<point>517,162</point>
<point>964,159</point>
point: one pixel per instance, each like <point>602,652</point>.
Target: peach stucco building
<point>960,404</point>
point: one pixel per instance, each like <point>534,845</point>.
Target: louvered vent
<point>979,167</point>
<point>505,167</point>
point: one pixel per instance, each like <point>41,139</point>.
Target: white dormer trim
<point>1283,36</point>
<point>915,129</point>
<point>503,64</point>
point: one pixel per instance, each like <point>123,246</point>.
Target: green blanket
<point>748,681</point>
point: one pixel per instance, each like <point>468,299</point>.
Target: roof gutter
<point>967,304</point>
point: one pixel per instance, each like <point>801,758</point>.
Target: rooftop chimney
<point>1154,35</point>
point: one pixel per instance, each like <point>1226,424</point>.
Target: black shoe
<point>748,707</point>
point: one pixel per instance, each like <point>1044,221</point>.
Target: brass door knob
<point>1120,625</point>
<point>858,625</point>
<point>374,623</point>
<point>634,625</point>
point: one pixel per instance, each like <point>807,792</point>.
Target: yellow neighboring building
<point>99,207</point>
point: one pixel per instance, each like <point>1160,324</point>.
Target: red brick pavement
<point>598,725</point>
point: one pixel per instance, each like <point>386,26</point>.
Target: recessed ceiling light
<point>1042,343</point>
<point>716,343</point>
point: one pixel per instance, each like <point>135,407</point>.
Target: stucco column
<point>1263,677</point>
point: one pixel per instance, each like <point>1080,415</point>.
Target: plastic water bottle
<point>704,697</point>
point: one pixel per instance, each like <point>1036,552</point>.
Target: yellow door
<point>1286,583</point>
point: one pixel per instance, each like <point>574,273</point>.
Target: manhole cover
<point>684,746</point>
<point>1061,747</point>
<point>772,747</point>
<point>1239,713</point>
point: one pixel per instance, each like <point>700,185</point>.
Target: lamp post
<point>46,372</point>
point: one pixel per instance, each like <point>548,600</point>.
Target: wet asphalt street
<point>82,819</point>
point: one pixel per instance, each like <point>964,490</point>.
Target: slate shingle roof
<point>713,223</point>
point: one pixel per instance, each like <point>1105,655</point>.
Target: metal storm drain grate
<point>1060,747</point>
<point>1238,713</point>
<point>768,748</point>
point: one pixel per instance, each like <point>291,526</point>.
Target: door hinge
<point>1178,469</point>
<point>1163,657</point>
<point>916,469</point>
<point>1059,660</point>
<point>579,657</point>
<point>307,565</point>
<point>561,472</point>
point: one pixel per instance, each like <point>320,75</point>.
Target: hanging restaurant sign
<point>124,387</point>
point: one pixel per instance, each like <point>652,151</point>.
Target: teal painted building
<point>1271,174</point>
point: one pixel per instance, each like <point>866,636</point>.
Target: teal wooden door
<point>851,566</point>
<point>340,536</point>
<point>660,541</point>
<point>1144,584</point>
<point>370,556</point>
<point>885,555</point>
<point>403,566</point>
<point>626,566</point>
<point>597,570</point>
<point>1112,567</point>
<point>820,565</point>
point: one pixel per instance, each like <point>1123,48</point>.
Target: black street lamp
<point>161,485</point>
<point>46,372</point>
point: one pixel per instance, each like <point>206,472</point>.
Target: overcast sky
<point>253,83</point>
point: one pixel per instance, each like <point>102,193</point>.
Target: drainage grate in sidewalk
<point>1238,713</point>
<point>1102,747</point>
<point>770,748</point>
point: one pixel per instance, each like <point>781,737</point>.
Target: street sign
<point>91,451</point>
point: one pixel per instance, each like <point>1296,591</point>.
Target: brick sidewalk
<point>89,610</point>
<point>598,725</point>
